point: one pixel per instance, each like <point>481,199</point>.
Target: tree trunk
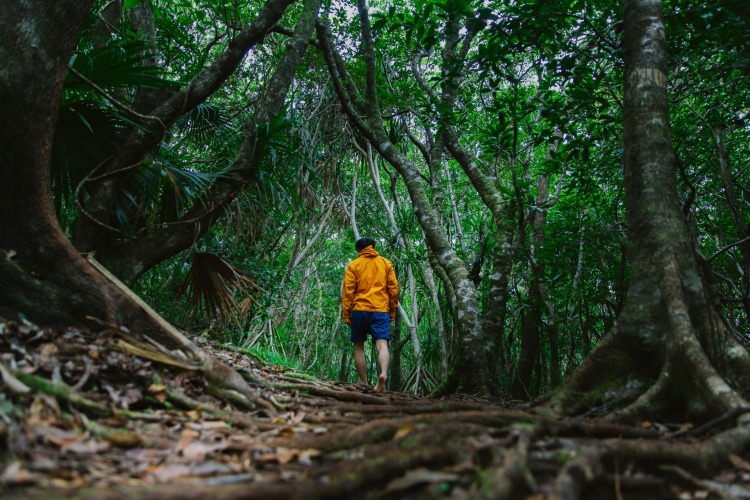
<point>365,115</point>
<point>41,275</point>
<point>670,351</point>
<point>129,260</point>
<point>740,226</point>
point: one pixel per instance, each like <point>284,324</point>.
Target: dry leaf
<point>57,436</point>
<point>403,431</point>
<point>43,410</point>
<point>167,473</point>
<point>197,451</point>
<point>11,382</point>
<point>208,425</point>
<point>739,462</point>
<point>16,474</point>
<point>188,436</point>
<point>194,414</point>
<point>48,349</point>
<point>88,447</point>
<point>305,456</point>
<point>420,476</point>
<point>123,438</point>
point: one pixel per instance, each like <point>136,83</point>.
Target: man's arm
<point>348,287</point>
<point>392,287</point>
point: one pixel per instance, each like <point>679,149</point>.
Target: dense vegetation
<point>227,183</point>
<point>540,111</point>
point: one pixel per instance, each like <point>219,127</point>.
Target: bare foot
<point>381,384</point>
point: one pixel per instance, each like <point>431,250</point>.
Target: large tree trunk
<point>670,351</point>
<point>41,275</point>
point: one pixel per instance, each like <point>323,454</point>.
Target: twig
<point>737,243</point>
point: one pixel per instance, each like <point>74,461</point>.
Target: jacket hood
<point>368,252</point>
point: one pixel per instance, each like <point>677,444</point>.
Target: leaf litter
<point>136,428</point>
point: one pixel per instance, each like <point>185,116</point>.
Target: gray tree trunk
<point>670,351</point>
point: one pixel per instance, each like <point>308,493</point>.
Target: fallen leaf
<point>88,447</point>
<point>123,438</point>
<point>188,436</point>
<point>11,382</point>
<point>739,462</point>
<point>420,476</point>
<point>43,410</point>
<point>57,436</point>
<point>305,456</point>
<point>168,472</point>
<point>197,451</point>
<point>208,425</point>
<point>16,474</point>
<point>403,431</point>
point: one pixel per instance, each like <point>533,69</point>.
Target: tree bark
<point>670,351</point>
<point>131,259</point>
<point>41,275</point>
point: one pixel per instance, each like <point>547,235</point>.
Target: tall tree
<point>470,371</point>
<point>41,274</point>
<point>670,350</point>
<point>129,257</point>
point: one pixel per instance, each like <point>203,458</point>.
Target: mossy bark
<point>670,351</point>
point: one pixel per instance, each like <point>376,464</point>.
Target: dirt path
<point>81,419</point>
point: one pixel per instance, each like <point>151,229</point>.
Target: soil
<point>80,418</point>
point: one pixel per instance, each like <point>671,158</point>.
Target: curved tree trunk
<point>41,275</point>
<point>670,350</point>
<point>130,259</point>
<point>365,115</point>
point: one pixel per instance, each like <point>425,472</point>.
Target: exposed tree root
<point>686,372</point>
<point>324,444</point>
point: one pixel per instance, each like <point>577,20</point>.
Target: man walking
<point>369,298</point>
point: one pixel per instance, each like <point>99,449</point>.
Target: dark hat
<point>363,243</point>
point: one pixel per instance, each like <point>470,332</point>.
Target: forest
<point>562,186</point>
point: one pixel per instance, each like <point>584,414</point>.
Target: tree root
<point>512,471</point>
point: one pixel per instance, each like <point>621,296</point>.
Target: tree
<point>364,113</point>
<point>41,274</point>
<point>670,352</point>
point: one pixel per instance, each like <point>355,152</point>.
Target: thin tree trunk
<point>740,226</point>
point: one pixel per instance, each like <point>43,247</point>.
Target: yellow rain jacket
<point>369,285</point>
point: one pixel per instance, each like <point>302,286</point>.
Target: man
<point>369,298</point>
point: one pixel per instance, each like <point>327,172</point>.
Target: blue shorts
<point>378,324</point>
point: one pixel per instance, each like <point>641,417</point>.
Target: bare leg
<point>384,358</point>
<point>360,362</point>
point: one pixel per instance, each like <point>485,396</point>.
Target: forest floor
<point>81,419</point>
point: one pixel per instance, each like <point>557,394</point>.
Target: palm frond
<point>162,191</point>
<point>85,136</point>
<point>117,66</point>
<point>202,122</point>
<point>219,290</point>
